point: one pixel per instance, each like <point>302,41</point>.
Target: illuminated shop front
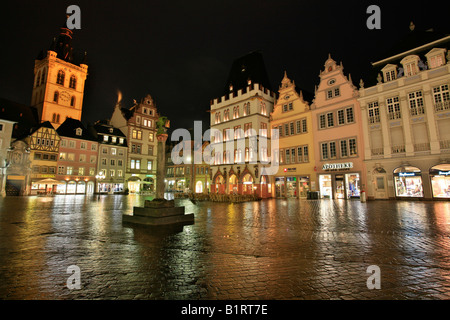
<point>440,181</point>
<point>292,186</point>
<point>279,187</point>
<point>339,183</point>
<point>408,182</point>
<point>110,187</point>
<point>325,187</point>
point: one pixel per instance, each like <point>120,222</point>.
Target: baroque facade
<point>138,124</point>
<point>338,135</point>
<point>291,116</point>
<point>406,120</point>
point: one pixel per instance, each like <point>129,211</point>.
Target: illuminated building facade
<point>406,120</point>
<point>338,135</point>
<point>292,117</point>
<point>240,118</point>
<point>139,126</point>
<point>59,77</point>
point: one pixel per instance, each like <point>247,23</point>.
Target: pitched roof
<point>26,117</point>
<point>416,41</point>
<point>100,129</point>
<point>248,67</point>
<point>69,129</point>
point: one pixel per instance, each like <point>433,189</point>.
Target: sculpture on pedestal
<point>160,211</point>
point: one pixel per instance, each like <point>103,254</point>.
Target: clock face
<point>65,96</point>
<point>331,82</point>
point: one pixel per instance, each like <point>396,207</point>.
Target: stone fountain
<point>159,211</point>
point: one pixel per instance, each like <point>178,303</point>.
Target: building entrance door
<point>340,187</point>
<point>380,187</point>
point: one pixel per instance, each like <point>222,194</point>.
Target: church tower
<point>59,77</point>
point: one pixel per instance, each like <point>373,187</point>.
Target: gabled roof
<point>105,129</point>
<point>249,67</point>
<point>69,129</point>
<point>101,129</point>
<point>26,117</point>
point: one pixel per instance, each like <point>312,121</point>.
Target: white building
<point>406,120</point>
<point>241,118</point>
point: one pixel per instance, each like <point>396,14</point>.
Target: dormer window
<point>79,131</point>
<point>111,130</point>
<point>389,72</point>
<point>410,64</point>
<point>436,58</point>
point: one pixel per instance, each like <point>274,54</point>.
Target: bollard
<point>363,196</point>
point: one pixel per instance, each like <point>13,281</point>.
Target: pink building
<point>338,135</point>
<point>77,161</point>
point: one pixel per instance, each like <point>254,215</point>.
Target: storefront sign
<point>290,169</point>
<point>337,166</point>
<point>408,174</point>
<point>444,173</point>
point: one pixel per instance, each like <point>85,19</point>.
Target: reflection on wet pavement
<point>270,249</point>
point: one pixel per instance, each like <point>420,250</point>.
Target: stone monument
<point>159,211</point>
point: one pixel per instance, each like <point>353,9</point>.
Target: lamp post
<point>100,176</point>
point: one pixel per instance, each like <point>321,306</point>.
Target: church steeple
<point>63,44</point>
<point>58,88</point>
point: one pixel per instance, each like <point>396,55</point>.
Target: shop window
<point>408,182</point>
<point>440,181</point>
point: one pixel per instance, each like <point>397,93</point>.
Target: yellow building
<point>59,78</point>
<point>292,117</point>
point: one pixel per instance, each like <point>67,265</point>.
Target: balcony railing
<point>417,111</point>
<point>422,147</point>
<point>398,149</point>
<point>442,106</point>
<point>374,119</point>
<point>395,115</point>
<point>377,151</point>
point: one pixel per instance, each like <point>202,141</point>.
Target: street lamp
<point>100,176</point>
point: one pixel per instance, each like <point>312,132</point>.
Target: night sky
<point>180,52</point>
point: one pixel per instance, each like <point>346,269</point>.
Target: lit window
<point>416,103</point>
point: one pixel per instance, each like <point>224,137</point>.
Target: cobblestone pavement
<point>271,249</point>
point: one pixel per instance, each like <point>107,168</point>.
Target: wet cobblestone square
<point>269,249</point>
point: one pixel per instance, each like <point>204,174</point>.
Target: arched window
<point>56,96</point>
<point>263,109</point>
<point>73,82</point>
<point>38,77</point>
<point>72,101</point>
<point>57,118</point>
<point>43,76</point>
<point>54,118</point>
<point>60,78</point>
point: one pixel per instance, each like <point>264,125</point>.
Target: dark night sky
<point>181,51</point>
